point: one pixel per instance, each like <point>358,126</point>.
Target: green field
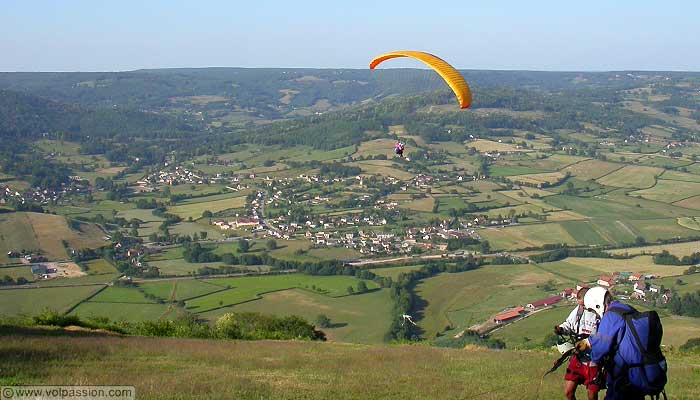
<point>181,289</point>
<point>690,223</point>
<point>680,176</point>
<point>249,288</point>
<point>357,319</point>
<point>14,302</point>
<point>17,272</point>
<point>591,169</point>
<point>669,191</point>
<point>609,207</point>
<point>689,283</point>
<point>530,332</point>
<point>523,236</point>
<point>394,272</point>
<point>508,170</point>
<point>463,299</point>
<point>123,311</point>
<point>195,210</point>
<point>115,294</point>
<point>44,233</point>
<point>98,267</point>
<point>178,267</point>
<point>600,231</point>
<point>632,176</point>
<point>582,269</point>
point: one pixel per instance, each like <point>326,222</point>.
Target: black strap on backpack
<point>647,356</point>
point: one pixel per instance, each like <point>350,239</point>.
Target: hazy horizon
<point>80,36</point>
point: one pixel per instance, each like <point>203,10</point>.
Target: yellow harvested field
<point>45,232</point>
<point>677,249</point>
<point>548,178</point>
<point>591,169</point>
<point>483,146</point>
<point>422,205</point>
<point>678,330</point>
<point>195,210</point>
<point>640,264</point>
<point>632,176</point>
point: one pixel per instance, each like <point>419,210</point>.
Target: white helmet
<point>594,300</point>
<point>564,347</point>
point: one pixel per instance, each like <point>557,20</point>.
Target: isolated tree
<point>243,246</point>
<point>351,290</point>
<point>203,235</point>
<point>361,287</point>
<point>207,214</point>
<point>485,247</point>
<point>228,259</point>
<point>271,244</point>
<point>322,321</point>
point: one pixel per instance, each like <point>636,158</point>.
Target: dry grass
<point>692,202</point>
<point>678,249</point>
<point>640,264</point>
<point>550,178</point>
<point>290,370</point>
<point>423,205</point>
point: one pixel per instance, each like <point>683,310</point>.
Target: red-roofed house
<point>545,302</point>
<point>607,281</point>
<point>568,293</point>
<point>506,316</point>
<point>636,277</point>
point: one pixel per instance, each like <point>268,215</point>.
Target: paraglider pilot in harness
<point>398,148</point>
<point>580,323</point>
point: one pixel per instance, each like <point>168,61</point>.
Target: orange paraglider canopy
<point>451,76</point>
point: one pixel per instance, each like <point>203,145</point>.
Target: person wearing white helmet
<point>582,323</point>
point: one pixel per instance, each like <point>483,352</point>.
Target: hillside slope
<point>185,369</point>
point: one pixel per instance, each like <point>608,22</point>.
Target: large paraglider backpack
<point>645,371</point>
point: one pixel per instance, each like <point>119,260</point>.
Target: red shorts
<point>581,373</point>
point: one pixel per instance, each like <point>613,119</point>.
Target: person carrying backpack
<point>628,346</point>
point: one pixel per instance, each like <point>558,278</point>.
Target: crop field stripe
<point>71,309</point>
<point>553,272</point>
<point>258,296</point>
<point>613,171</point>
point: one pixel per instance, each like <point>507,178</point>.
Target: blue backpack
<point>645,369</point>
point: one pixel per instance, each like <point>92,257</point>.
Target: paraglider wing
<point>451,76</point>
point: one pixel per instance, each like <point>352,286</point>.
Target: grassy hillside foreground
<point>186,369</point>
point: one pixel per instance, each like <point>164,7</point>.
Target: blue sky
<point>535,35</point>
